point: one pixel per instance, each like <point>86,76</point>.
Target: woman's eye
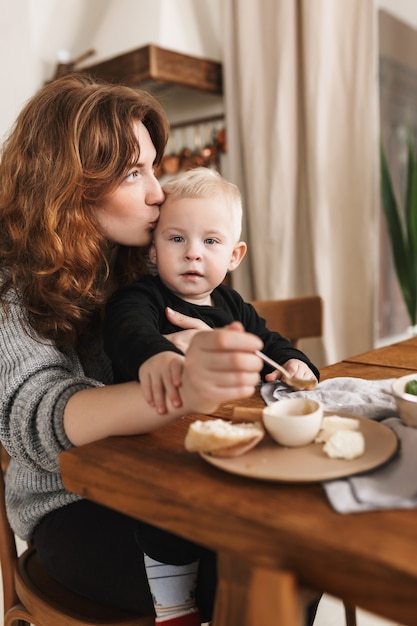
<point>132,175</point>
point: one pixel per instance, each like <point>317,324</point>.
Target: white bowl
<point>293,422</point>
<point>406,402</point>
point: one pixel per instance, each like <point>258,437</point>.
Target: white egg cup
<point>293,422</point>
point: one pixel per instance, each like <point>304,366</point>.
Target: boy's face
<point>194,247</point>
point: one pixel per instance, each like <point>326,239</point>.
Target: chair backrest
<point>293,318</point>
<point>8,551</point>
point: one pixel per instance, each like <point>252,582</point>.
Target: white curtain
<point>302,120</point>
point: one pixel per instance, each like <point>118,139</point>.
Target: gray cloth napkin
<point>391,486</point>
<point>367,398</point>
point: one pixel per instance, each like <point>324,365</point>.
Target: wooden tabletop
<point>270,537</point>
<point>401,355</point>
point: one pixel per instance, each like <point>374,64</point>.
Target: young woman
<point>78,201</point>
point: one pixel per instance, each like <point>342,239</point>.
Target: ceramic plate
<point>270,461</point>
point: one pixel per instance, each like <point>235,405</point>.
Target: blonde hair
<point>72,144</point>
<point>202,182</point>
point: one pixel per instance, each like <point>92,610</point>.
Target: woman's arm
<point>219,366</point>
<point>37,381</point>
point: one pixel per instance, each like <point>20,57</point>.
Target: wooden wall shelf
<point>152,64</point>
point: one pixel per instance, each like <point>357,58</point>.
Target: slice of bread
<point>221,438</point>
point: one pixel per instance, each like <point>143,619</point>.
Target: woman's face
<point>128,215</point>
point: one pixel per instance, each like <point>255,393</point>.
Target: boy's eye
<point>177,239</point>
<point>210,241</point>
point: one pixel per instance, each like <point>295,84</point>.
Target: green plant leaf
<point>402,244</point>
<point>411,220</point>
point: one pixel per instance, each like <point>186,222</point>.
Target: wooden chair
<point>297,319</point>
<point>31,596</point>
<point>294,318</point>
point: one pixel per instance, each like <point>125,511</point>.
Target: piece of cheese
<point>345,444</point>
<point>332,423</point>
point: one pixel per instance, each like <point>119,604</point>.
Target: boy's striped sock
<point>173,592</point>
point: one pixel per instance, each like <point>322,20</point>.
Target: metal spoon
<point>292,381</point>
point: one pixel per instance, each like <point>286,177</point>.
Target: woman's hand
<point>220,365</point>
<point>160,376</point>
<point>294,367</point>
<point>191,325</point>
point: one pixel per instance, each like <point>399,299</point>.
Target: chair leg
<point>350,614</point>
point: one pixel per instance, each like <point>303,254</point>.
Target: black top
<point>135,324</point>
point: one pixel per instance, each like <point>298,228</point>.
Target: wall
<point>33,31</point>
<point>18,76</point>
<point>405,10</point>
<point>188,26</point>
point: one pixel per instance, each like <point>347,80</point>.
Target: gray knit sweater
<point>36,382</point>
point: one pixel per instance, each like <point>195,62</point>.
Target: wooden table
<point>271,538</point>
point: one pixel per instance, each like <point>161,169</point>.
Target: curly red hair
<point>72,144</point>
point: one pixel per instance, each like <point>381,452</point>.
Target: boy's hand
<point>296,368</point>
<point>191,325</point>
<point>160,378</point>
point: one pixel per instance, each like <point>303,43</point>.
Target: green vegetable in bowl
<point>411,387</point>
